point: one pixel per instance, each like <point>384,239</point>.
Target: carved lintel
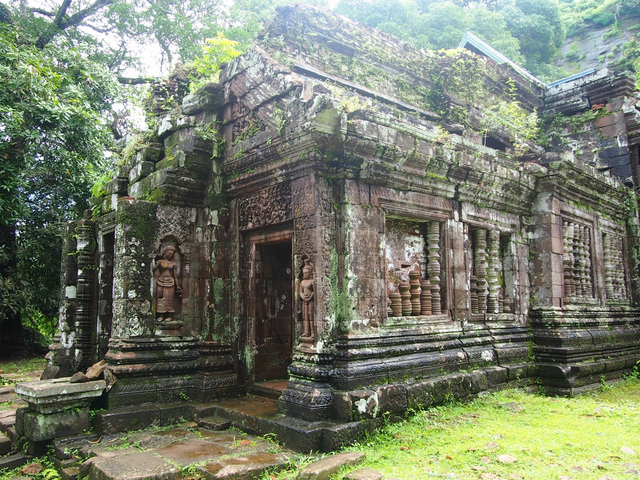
<point>269,206</point>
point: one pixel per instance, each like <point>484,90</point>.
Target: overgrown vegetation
<point>542,437</point>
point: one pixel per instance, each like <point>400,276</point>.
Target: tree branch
<point>62,12</point>
<point>61,23</point>
<point>42,12</point>
<point>136,80</point>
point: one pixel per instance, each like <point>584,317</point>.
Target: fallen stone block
<point>323,469</point>
<point>215,423</point>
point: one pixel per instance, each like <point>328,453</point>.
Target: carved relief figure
<point>166,285</point>
<point>306,291</point>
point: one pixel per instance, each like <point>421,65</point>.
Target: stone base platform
<point>357,413</point>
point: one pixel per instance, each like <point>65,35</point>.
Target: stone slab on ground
<point>323,469</point>
<point>217,454</point>
<point>364,474</point>
<point>137,466</point>
<point>244,467</point>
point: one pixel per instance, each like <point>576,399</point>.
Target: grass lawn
<point>513,434</point>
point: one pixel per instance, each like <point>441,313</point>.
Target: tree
<point>54,105</point>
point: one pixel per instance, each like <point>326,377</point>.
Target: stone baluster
<point>493,302</point>
<point>425,298</point>
<point>481,269</point>
<point>414,283</point>
<point>567,260</point>
<point>406,298</point>
<point>608,265</point>
<point>507,304</point>
<point>396,304</point>
<point>433,268</point>
<point>474,294</point>
<point>587,263</point>
<point>577,261</point>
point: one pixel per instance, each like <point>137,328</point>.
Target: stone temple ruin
<point>380,227</point>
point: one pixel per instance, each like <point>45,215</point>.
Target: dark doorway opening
<point>273,287</point>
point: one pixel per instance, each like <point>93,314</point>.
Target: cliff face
<point>597,46</point>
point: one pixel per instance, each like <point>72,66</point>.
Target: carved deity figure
<point>167,286</point>
<point>306,292</point>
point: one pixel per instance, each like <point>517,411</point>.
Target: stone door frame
<point>256,240</point>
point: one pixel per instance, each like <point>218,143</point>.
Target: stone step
<point>7,422</point>
<point>215,422</point>
<point>5,445</point>
<point>260,416</point>
<point>13,461</point>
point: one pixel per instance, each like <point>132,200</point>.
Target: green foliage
<point>53,107</point>
<point>216,51</point>
<point>510,115</point>
<point>528,32</point>
<point>547,436</point>
<point>578,14</point>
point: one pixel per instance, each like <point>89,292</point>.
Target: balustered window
<point>615,269</point>
<point>491,272</point>
<point>415,268</point>
<point>576,261</point>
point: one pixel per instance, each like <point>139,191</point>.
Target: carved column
<point>86,290</point>
<point>433,268</point>
<point>481,269</point>
<point>493,302</point>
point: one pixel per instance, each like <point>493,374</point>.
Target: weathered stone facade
<point>440,253</point>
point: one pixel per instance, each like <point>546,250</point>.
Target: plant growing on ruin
<point>217,51</point>
<point>510,115</point>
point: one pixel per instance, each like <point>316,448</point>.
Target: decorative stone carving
<point>433,267</point>
<point>166,284</point>
<point>266,207</point>
<point>406,298</point>
<point>414,283</point>
<point>307,295</point>
<point>425,298</point>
